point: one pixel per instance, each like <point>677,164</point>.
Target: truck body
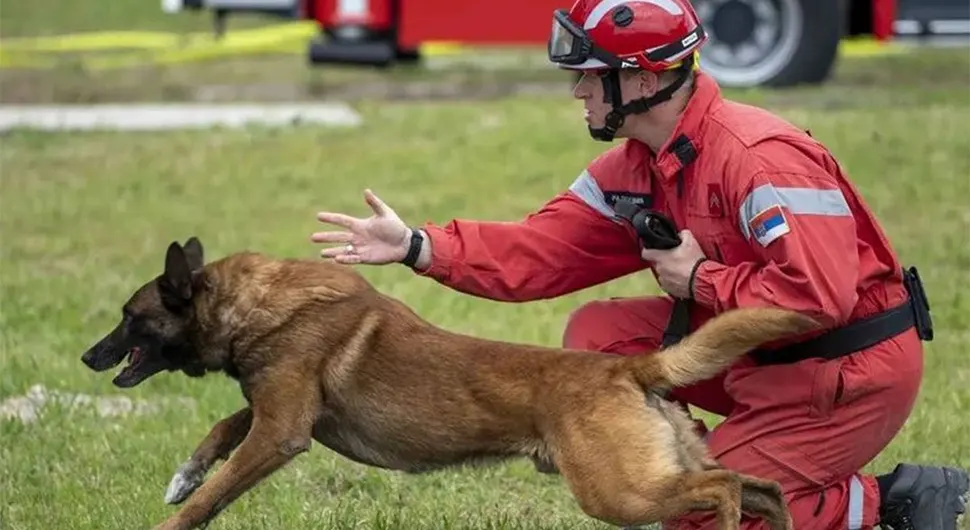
<point>752,42</point>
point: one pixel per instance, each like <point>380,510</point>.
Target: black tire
<point>787,42</point>
<point>409,56</point>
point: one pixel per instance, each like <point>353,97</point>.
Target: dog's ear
<point>194,253</point>
<point>176,282</point>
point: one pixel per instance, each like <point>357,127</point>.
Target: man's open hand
<point>379,239</point>
<point>674,266</point>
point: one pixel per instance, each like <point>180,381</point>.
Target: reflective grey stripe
<point>586,188</point>
<point>798,201</point>
<point>855,503</point>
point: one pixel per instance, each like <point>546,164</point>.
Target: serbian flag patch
<point>769,225</point>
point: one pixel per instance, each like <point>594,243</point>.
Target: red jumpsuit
<point>782,226</point>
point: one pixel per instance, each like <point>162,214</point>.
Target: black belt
<point>848,339</point>
<point>863,333</point>
<point>838,342</point>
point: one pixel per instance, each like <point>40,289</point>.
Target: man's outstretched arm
<point>571,243</point>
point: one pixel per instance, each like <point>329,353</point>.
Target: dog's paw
<point>188,477</point>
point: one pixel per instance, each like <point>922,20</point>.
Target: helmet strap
<point>611,94</point>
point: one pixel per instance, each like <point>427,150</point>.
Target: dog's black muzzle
<point>106,354</point>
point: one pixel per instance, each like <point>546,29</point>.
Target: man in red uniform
<point>767,218</point>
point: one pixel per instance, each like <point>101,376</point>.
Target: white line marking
<point>157,117</point>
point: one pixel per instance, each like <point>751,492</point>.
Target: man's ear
<point>648,83</point>
<point>176,282</point>
<point>194,253</point>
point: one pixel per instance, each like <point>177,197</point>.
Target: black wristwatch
<point>414,250</point>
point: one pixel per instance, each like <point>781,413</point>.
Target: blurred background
<point>217,49</point>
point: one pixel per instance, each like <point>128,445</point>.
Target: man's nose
<point>581,90</point>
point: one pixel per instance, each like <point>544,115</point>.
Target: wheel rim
<point>750,40</point>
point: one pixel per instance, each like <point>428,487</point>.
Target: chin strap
<point>611,94</point>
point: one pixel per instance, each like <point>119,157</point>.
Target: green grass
<point>29,18</point>
<point>85,218</point>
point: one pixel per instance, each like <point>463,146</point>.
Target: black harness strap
<point>656,231</point>
<point>678,325</point>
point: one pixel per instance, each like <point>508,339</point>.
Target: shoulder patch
<point>769,224</point>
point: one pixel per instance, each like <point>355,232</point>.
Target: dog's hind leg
<point>283,416</point>
<point>715,491</point>
<point>224,437</point>
<point>625,465</point>
<point>764,499</point>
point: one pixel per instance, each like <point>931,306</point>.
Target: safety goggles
<point>570,45</point>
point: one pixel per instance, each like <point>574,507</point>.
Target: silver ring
<point>350,248</point>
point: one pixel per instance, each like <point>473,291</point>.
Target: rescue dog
<point>321,355</point>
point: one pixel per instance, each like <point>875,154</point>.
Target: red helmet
<point>654,35</point>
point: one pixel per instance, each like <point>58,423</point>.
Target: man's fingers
<point>348,259</point>
<point>341,255</point>
<point>334,252</point>
<point>338,219</point>
<point>331,237</point>
<point>376,203</point>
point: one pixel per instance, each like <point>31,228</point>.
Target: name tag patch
<point>640,200</point>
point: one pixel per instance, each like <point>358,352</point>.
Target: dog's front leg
<point>224,437</point>
<point>282,420</point>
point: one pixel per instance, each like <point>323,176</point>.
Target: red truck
<point>752,42</point>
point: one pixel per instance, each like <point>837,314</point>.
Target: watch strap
<point>414,249</point>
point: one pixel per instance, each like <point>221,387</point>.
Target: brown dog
<point>320,354</point>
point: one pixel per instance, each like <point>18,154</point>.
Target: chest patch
<point>640,200</point>
<point>768,225</point>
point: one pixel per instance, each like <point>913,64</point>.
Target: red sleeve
<point>571,243</point>
<point>803,233</point>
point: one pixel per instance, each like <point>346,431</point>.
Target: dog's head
<point>157,323</point>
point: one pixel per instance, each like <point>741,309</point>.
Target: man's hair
<point>667,78</point>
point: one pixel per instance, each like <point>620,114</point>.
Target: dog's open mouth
<point>135,358</point>
<point>135,370</point>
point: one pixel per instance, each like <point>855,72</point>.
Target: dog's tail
<point>716,345</point>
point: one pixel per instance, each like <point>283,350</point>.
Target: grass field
<point>85,218</point>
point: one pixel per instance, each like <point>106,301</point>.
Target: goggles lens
<point>561,42</point>
<point>566,40</point>
<point>569,44</point>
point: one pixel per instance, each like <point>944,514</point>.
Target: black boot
<point>922,497</point>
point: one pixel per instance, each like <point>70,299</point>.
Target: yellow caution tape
<point>441,48</point>
<point>20,61</point>
<point>107,40</point>
<point>155,47</point>
<point>868,47</point>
